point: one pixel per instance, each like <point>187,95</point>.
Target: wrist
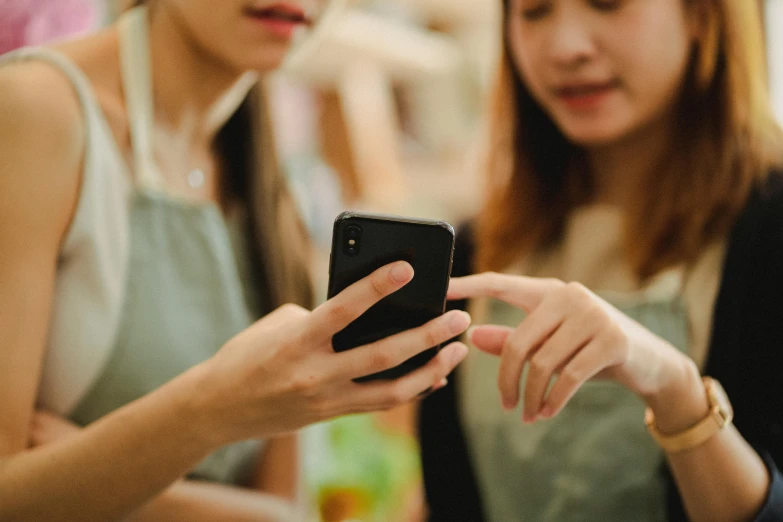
<point>680,402</point>
<point>194,406</point>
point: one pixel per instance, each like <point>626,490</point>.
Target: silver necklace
<point>196,179</point>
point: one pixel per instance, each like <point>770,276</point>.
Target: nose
<point>571,42</point>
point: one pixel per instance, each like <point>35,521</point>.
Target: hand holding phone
<point>363,243</point>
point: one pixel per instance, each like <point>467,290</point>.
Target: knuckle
<point>305,384</point>
<point>570,376</point>
<point>299,386</point>
<point>399,395</point>
<point>381,360</point>
<point>539,363</point>
<point>577,291</point>
<point>596,314</point>
<point>518,350</point>
<point>339,313</point>
<point>379,284</point>
<point>433,336</point>
<point>554,282</point>
<point>293,310</point>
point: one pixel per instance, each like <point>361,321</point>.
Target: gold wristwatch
<point>721,414</point>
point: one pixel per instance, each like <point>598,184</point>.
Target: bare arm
<point>721,480</point>
<point>274,498</point>
<point>278,468</point>
<point>572,334</point>
<point>41,149</point>
<point>123,461</point>
<point>38,191</point>
<point>188,501</point>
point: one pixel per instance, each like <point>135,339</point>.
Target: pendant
<point>196,179</point>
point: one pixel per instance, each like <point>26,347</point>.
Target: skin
<point>276,377</point>
<point>616,43</point>
<point>570,333</point>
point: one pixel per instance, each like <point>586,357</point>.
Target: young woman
<point>634,224</point>
<point>144,225</point>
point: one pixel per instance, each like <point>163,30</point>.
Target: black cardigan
<point>745,355</point>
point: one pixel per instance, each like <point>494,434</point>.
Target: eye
<point>531,14</point>
<point>606,5</point>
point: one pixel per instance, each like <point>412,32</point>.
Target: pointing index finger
<point>522,292</point>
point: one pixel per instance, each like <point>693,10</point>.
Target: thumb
<point>489,338</point>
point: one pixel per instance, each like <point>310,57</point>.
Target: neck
<point>618,168</point>
<point>194,93</point>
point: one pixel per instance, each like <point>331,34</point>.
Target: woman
<point>634,155</point>
<point>145,225</point>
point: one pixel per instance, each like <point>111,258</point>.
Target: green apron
<point>188,283</point>
<point>593,462</point>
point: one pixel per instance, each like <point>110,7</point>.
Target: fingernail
<point>469,333</point>
<point>460,352</point>
<point>507,405</point>
<point>459,322</point>
<point>547,412</point>
<point>401,272</point>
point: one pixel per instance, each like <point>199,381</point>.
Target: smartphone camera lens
<point>353,235</point>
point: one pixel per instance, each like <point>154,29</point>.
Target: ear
<point>704,30</point>
<point>695,18</point>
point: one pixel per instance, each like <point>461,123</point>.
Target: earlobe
<point>697,17</point>
<point>704,31</point>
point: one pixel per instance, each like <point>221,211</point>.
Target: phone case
<point>428,245</point>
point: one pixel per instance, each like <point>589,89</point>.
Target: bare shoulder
<point>41,149</point>
<point>35,96</point>
<point>42,143</point>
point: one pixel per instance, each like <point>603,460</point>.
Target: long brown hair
<point>727,141</point>
<point>281,250</point>
<point>280,246</point>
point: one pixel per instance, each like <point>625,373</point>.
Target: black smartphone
<point>363,243</point>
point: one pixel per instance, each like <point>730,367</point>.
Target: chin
<point>261,66</point>
<point>252,59</point>
<point>267,63</point>
<point>264,66</point>
<point>594,134</point>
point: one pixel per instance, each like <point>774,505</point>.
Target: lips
<point>585,95</point>
<point>283,13</point>
<point>585,89</point>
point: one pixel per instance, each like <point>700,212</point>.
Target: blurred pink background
<point>34,22</point>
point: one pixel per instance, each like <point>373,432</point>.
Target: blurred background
<point>379,109</point>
